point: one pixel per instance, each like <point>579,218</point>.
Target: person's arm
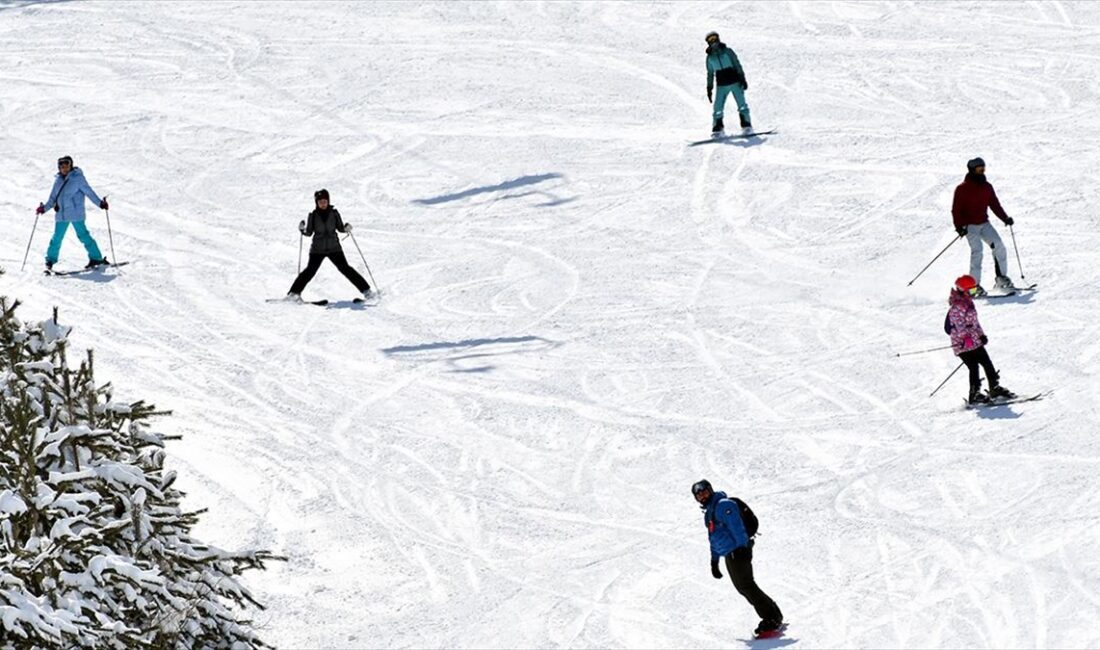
<point>340,226</point>
<point>710,78</point>
<point>53,192</point>
<point>87,191</point>
<point>995,206</point>
<point>957,211</point>
<point>728,514</point>
<point>309,226</point>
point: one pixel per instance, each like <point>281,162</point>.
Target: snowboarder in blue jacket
<point>729,539</point>
<point>723,65</point>
<point>70,189</point>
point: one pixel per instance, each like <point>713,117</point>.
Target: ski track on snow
<point>582,315</point>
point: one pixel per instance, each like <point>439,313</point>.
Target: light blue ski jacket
<point>68,196</point>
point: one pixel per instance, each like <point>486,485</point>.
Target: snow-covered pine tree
<point>95,549</point>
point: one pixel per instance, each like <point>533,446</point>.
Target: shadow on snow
<point>459,354</point>
<point>515,183</point>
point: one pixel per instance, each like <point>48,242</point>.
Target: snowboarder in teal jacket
<point>723,65</point>
<point>67,197</point>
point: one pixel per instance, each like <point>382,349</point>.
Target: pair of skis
<point>324,302</point>
<point>1011,292</point>
<point>1007,400</point>
<point>92,269</point>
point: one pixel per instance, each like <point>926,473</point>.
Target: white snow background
<point>583,315</point>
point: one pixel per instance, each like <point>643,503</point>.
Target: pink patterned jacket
<point>962,323</point>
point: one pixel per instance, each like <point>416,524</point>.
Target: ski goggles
<point>65,162</point>
<point>973,291</point>
<point>699,488</point>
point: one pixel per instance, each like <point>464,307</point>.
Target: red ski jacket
<point>971,200</point>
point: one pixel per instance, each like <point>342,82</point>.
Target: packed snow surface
<point>582,315</point>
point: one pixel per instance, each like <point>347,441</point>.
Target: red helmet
<point>965,283</point>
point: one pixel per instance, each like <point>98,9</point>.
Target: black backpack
<point>752,524</point>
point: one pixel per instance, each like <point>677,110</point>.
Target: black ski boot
<point>718,126</point>
<point>997,391</point>
<point>977,396</point>
<point>100,262</point>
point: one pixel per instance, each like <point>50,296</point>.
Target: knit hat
<point>974,164</point>
<point>320,194</point>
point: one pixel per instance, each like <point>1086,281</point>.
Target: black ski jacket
<point>324,226</point>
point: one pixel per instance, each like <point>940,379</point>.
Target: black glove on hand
<point>961,230</point>
<point>745,84</point>
<point>714,569</point>
<point>103,204</point>
<point>1009,220</point>
<point>710,95</point>
<point>985,339</point>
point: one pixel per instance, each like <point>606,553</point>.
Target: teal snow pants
<point>82,234</point>
<point>738,96</point>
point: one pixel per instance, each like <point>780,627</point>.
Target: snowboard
<point>94,269</point>
<point>721,136</point>
<point>771,634</point>
<point>1019,399</point>
<point>1008,294</point>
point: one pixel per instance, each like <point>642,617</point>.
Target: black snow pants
<point>740,570</point>
<point>975,358</point>
<point>314,264</point>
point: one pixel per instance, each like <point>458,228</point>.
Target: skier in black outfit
<point>324,224</point>
<point>730,539</point>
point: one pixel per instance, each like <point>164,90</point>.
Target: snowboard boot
<point>1004,282</point>
<point>977,396</point>
<point>768,626</point>
<point>718,126</point>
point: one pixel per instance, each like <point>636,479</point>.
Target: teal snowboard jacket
<point>723,63</point>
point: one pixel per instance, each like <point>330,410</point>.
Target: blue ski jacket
<point>68,194</point>
<point>722,61</point>
<point>724,526</point>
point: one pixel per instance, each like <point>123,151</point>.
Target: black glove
<point>984,339</point>
<point>961,230</point>
<point>745,84</point>
<point>1009,220</point>
<point>714,568</point>
<point>710,95</point>
<point>103,204</point>
<point>302,227</point>
<point>742,553</point>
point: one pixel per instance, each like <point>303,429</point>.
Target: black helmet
<point>65,159</point>
<point>700,486</point>
<point>713,35</point>
<point>975,163</point>
<point>320,194</point>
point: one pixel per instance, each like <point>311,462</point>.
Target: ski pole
<point>364,259</point>
<point>905,354</point>
<point>1013,233</point>
<point>300,238</point>
<point>33,228</point>
<point>961,363</point>
<point>933,260</point>
<point>110,235</point>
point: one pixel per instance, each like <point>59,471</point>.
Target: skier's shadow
<point>349,304</point>
<point>767,644</point>
<point>100,278</point>
<point>1003,412</point>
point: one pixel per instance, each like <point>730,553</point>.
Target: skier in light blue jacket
<point>723,64</point>
<point>70,189</point>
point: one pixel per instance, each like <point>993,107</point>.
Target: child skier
<point>67,200</point>
<point>722,63</point>
<point>729,539</point>
<point>324,224</point>
<point>968,341</point>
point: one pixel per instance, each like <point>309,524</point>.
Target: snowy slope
<point>582,314</point>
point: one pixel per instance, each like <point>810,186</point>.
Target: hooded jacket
<point>962,323</point>
<point>723,63</point>
<point>325,227</point>
<point>68,195</point>
<point>725,529</point>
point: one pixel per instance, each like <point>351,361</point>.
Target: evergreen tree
<point>95,549</point>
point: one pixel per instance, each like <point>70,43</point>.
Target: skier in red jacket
<point>972,197</point>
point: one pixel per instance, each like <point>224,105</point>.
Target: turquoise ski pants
<point>738,96</point>
<point>82,234</point>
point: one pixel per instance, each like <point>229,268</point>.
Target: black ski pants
<point>342,266</point>
<point>975,358</point>
<point>740,570</point>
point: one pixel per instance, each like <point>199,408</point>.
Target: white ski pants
<point>976,236</point>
